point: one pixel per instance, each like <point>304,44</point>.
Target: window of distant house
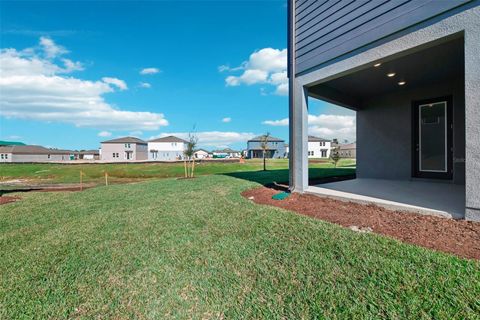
<point>2,156</point>
<point>324,153</point>
<point>48,156</point>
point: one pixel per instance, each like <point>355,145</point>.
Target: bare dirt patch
<point>8,199</point>
<point>458,237</point>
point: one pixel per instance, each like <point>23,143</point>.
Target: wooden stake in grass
<point>106,178</point>
<point>193,166</point>
<point>81,180</point>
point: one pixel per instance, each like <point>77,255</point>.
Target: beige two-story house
<point>124,149</point>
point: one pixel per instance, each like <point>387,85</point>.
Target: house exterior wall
<point>278,148</point>
<point>384,132</point>
<point>166,151</point>
<point>348,153</point>
<point>315,149</point>
<point>6,157</point>
<point>139,151</point>
<point>326,30</point>
<point>200,154</point>
<point>35,157</point>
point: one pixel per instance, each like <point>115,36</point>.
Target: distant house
<point>166,149</point>
<point>201,154</point>
<point>318,147</point>
<point>348,150</point>
<point>275,148</point>
<point>226,153</point>
<point>31,153</point>
<point>87,155</point>
<point>124,149</point>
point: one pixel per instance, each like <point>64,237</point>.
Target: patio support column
<point>298,161</point>
<point>472,123</point>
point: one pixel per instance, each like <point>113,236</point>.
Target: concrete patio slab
<point>425,197</point>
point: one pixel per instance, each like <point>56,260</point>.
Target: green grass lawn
<point>196,249</point>
<point>70,173</point>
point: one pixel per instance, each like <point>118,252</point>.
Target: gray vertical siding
<point>278,146</point>
<point>327,29</point>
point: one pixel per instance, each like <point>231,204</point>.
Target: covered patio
<point>425,197</point>
<point>411,132</point>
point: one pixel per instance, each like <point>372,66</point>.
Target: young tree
<point>189,155</point>
<point>335,155</point>
<point>264,145</point>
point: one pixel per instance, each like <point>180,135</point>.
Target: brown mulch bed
<point>458,237</point>
<point>8,199</point>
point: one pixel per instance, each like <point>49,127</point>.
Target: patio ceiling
<point>436,64</point>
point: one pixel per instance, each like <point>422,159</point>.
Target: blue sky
<point>72,73</point>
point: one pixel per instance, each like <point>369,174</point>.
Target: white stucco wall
<point>316,147</point>
<point>166,151</point>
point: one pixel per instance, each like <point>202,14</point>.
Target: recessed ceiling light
<point>401,83</point>
<point>391,74</point>
<point>377,65</point>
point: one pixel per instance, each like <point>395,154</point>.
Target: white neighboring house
<point>32,154</point>
<point>201,154</point>
<point>319,147</point>
<point>166,149</point>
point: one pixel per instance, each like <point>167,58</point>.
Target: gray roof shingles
<point>169,139</point>
<point>126,140</point>
<point>317,139</point>
<point>31,149</point>
<point>270,139</point>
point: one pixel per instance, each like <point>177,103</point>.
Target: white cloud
<point>227,119</point>
<point>326,126</point>
<point>223,68</point>
<point>268,59</point>
<point>104,134</point>
<point>120,84</point>
<point>71,66</point>
<point>33,87</point>
<point>50,48</point>
<point>216,139</point>
<point>149,71</point>
<point>276,123</point>
<point>282,89</point>
<point>265,66</point>
<point>145,85</point>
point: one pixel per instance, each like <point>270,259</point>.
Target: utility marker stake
<point>81,180</point>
